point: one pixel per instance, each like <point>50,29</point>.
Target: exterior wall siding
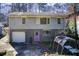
<point>30,33</point>
<point>34,23</point>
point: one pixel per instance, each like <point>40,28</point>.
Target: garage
<point>18,37</point>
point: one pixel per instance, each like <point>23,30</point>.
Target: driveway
<point>27,50</point>
<point>32,50</point>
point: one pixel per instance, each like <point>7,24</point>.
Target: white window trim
<point>46,21</point>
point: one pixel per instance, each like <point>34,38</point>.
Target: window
<point>48,20</point>
<point>23,20</point>
<point>44,20</point>
<point>59,21</point>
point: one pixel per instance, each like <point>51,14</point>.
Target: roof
<point>37,14</point>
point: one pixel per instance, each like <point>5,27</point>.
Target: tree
<point>0,7</point>
<point>29,7</point>
<point>42,6</point>
<point>24,7</point>
<point>17,7</point>
<point>60,7</point>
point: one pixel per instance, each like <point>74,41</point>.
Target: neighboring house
<point>37,26</point>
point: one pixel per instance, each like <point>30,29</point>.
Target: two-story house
<point>39,27</point>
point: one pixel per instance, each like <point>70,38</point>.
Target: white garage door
<point>18,37</point>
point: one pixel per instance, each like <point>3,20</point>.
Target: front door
<point>36,36</point>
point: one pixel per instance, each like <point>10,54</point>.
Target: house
<point>43,26</point>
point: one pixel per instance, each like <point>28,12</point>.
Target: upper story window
<point>23,20</point>
<point>59,20</point>
<point>44,21</point>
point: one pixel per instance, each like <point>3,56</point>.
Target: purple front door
<point>37,36</point>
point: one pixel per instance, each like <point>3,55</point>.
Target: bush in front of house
<point>70,33</point>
